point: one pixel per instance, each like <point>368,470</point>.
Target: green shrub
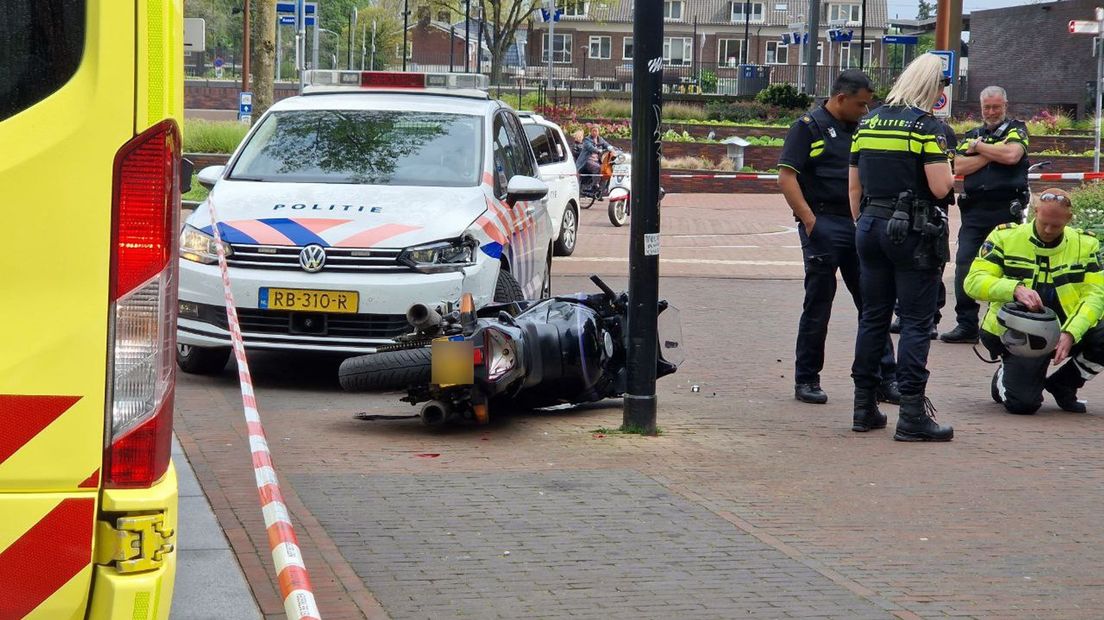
<point>1047,123</point>
<point>197,193</point>
<point>202,136</point>
<point>765,141</point>
<point>608,108</point>
<point>740,111</point>
<point>708,82</point>
<point>1088,207</point>
<point>785,96</point>
<point>676,111</point>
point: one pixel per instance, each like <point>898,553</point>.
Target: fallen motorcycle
<point>520,356</point>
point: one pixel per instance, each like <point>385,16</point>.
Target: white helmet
<point>1030,334</point>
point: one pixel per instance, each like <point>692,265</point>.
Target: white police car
<point>557,167</point>
<point>346,205</point>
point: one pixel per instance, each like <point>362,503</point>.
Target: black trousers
<point>978,221</point>
<point>830,249</point>
<point>888,275</point>
<point>1020,381</point>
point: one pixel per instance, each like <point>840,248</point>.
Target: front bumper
<point>384,299</point>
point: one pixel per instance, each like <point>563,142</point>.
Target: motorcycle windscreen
<point>669,326</point>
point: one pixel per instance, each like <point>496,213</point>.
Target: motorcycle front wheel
<point>389,370</point>
<point>619,212</point>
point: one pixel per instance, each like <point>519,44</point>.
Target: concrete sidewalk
<point>209,582</point>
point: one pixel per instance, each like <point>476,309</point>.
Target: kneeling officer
<point>1047,268</point>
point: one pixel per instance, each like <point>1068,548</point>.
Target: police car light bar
<point>323,80</point>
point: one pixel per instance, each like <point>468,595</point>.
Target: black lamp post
<point>406,23</point>
<point>586,52</point>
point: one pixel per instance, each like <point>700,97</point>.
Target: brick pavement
<point>1000,523</point>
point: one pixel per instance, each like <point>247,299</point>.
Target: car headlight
<point>198,246</point>
<point>451,255</point>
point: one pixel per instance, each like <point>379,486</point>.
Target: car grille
<point>336,325</point>
<point>337,259</point>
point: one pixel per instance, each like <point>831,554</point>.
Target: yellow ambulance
<point>90,107</point>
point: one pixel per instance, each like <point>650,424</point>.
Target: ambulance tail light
<point>142,373</point>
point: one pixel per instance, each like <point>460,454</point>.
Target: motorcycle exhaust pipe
<point>423,318</point>
<point>435,413</point>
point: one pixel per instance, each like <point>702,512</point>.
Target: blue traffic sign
<point>948,58</point>
<point>289,7</point>
<point>287,20</point>
<point>900,39</point>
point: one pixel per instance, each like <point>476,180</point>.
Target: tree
<point>262,47</point>
<point>925,9</point>
<point>501,21</point>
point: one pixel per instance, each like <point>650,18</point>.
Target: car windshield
<point>372,147</point>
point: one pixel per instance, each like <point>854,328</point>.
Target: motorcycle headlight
<point>500,354</point>
<point>451,255</point>
<point>198,246</point>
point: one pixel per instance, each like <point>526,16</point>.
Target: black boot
<point>888,393</point>
<point>961,335</point>
<point>917,421</point>
<point>1063,386</point>
<point>867,417</point>
<point>994,389</point>
<point>810,393</point>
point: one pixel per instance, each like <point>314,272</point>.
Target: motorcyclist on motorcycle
<point>588,162</point>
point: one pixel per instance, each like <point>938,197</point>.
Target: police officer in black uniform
<point>813,178</point>
<point>899,175</point>
<point>993,159</point>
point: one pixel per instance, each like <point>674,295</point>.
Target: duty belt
<point>881,208</point>
<point>832,208</point>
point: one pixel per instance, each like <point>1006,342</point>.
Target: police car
<point>557,167</point>
<point>345,206</point>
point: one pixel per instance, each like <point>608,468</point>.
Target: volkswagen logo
<point>313,258</point>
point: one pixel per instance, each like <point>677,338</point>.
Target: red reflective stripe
<point>92,482</point>
<point>25,417</point>
<point>46,557</point>
<point>372,236</point>
<point>492,231</point>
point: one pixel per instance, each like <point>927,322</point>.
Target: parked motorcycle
<point>522,355</point>
<point>614,171</point>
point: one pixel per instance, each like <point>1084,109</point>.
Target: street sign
<point>900,39</point>
<point>1083,26</point>
<point>195,34</point>
<point>948,58</point>
<point>289,8</point>
<point>942,107</point>
<point>245,107</point>
<point>287,20</point>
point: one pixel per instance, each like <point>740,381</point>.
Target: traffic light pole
<point>647,84</point>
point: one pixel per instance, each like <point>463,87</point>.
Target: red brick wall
<point>223,95</point>
<point>431,46</point>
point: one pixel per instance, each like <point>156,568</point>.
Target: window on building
<point>754,11</point>
<point>561,49</point>
<point>730,51</point>
<point>627,48</point>
<point>600,48</point>
<point>409,50</point>
<point>778,53</point>
<point>672,9</point>
<point>820,52</point>
<point>844,13</point>
<point>678,51</point>
<point>573,8</point>
<point>849,55</point>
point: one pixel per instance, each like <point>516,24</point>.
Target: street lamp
<point>406,25</point>
<point>337,44</point>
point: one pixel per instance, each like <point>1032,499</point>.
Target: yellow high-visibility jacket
<point>1067,276</point>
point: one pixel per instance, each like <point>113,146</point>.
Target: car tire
<point>388,370</point>
<point>507,288</point>
<point>569,232</point>
<point>201,360</point>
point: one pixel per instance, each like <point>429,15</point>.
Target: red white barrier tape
<point>764,176</point>
<point>295,584</point>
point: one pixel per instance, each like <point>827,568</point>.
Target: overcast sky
<point>906,9</point>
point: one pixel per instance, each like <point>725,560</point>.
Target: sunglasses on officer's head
<point>1049,197</point>
<point>944,81</point>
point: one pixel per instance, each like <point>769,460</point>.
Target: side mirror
<point>522,188</point>
<point>210,175</point>
<point>186,170</point>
